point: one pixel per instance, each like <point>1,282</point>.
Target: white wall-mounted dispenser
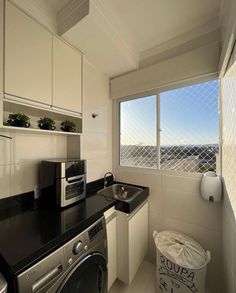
<point>211,187</point>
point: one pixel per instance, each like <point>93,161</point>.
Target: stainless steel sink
<point>121,192</point>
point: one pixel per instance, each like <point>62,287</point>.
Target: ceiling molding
<point>227,51</point>
<point>118,26</point>
<point>221,14</point>
<point>103,21</point>
<point>228,34</point>
<point>182,48</point>
<point>71,14</point>
<point>208,27</point>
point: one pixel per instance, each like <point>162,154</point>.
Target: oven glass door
<point>89,276</point>
<point>74,188</point>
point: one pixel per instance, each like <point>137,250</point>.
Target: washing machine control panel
<point>95,230</point>
<point>84,241</point>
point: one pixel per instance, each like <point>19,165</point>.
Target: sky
<point>188,116</point>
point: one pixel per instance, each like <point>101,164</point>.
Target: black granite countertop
<point>29,230</point>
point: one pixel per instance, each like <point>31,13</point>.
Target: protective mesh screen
<point>189,128</point>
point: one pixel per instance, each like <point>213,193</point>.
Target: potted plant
<point>68,126</point>
<point>46,123</point>
<point>18,120</point>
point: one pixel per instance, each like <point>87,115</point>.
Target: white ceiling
<point>118,35</point>
<point>153,22</point>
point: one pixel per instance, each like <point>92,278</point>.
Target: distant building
<point>190,158</point>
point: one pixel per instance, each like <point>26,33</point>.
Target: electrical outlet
<point>36,191</point>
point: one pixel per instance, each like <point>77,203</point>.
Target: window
<point>138,133</point>
<point>186,133</point>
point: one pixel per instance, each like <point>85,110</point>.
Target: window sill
<point>139,170</point>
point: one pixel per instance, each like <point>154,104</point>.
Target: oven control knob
<point>77,247</point>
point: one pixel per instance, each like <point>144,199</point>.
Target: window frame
<point>157,92</point>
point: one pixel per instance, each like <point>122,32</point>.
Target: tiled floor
<point>144,281</point>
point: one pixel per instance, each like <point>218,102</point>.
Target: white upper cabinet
<point>66,76</point>
<point>28,57</point>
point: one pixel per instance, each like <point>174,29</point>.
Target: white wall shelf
<point>35,114</point>
<point>42,131</point>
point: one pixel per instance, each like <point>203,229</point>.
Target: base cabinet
<point>111,222</point>
<point>132,242</point>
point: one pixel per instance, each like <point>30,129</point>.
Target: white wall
<point>21,156</point>
<point>175,203</point>
<point>228,94</point>
<point>96,142</point>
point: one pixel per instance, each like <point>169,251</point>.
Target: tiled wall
<point>20,158</point>
<point>228,94</point>
<point>175,203</point>
<point>96,142</point>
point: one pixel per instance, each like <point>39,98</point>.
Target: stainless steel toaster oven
<point>63,180</point>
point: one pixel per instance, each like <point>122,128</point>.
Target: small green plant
<point>19,120</point>
<point>19,116</point>
<point>46,123</point>
<point>68,126</point>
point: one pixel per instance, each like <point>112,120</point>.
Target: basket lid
<point>181,249</point>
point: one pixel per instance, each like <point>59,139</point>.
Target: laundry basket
<point>181,263</point>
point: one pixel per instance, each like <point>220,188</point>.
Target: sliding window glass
<point>138,132</point>
<point>190,128</point>
<point>181,134</point>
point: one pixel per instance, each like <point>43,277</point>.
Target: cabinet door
<point>138,240</point>
<point>132,242</point>
<point>111,246</point>
<point>66,76</point>
<point>28,57</point>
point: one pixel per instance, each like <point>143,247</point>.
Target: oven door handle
<point>42,282</point>
<point>72,180</point>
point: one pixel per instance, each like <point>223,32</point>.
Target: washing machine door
<point>89,276</point>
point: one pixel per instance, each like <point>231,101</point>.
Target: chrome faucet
<point>105,178</point>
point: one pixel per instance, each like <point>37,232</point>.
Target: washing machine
<point>79,266</point>
<point>3,284</point>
